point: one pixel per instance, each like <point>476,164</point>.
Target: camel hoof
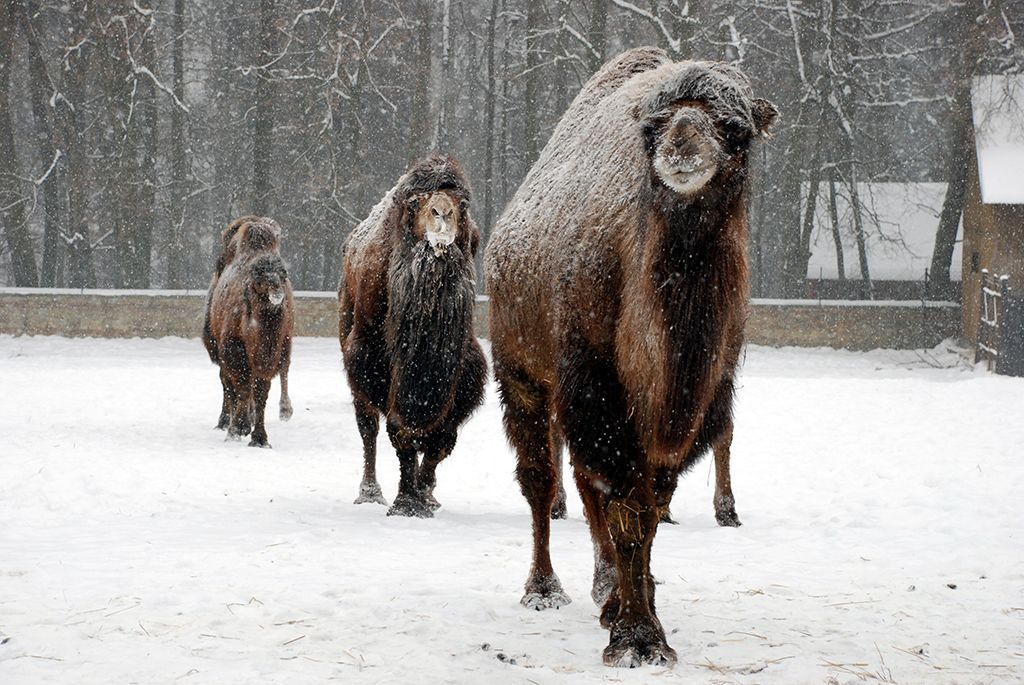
<point>285,412</point>
<point>545,593</point>
<point>223,422</point>
<point>728,519</point>
<point>238,431</point>
<point>558,509</point>
<point>370,493</point>
<point>408,505</point>
<point>259,442</point>
<point>725,512</point>
<point>639,645</point>
<point>430,501</point>
<point>667,518</point>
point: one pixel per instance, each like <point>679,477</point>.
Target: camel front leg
<point>368,422</point>
<point>437,449</point>
<point>408,501</point>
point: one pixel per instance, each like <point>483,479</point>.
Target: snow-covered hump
<point>999,137</point>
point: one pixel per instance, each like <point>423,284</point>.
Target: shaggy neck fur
<point>430,309</point>
<point>268,317</point>
<point>695,256</point>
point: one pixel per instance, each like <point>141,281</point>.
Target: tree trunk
<point>13,201</point>
<point>420,118</point>
<point>503,169</point>
<point>442,136</point>
<point>961,149</point>
<point>263,126</point>
<point>149,149</point>
<point>487,220</point>
<point>531,100</point>
<point>597,34</point>
<point>961,144</point>
<point>867,287</point>
<point>51,153</point>
<point>802,255</point>
<point>179,156</point>
<point>82,273</point>
<point>833,211</point>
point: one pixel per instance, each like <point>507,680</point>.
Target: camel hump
<point>612,75</point>
<point>623,67</point>
<point>260,235</point>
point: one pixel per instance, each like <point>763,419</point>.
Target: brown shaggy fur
<point>406,328</point>
<point>249,325</point>
<point>227,255</point>
<point>618,283</point>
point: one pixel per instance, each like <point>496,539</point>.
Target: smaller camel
<point>226,256</point>
<point>250,324</point>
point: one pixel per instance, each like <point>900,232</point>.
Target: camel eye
<point>434,210</point>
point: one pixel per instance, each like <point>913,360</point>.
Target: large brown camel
<point>618,284</point>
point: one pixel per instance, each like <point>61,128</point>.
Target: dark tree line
<point>131,131</point>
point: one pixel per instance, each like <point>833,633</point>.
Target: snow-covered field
<point>883,536</point>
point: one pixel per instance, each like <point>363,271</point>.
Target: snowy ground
<point>882,536</point>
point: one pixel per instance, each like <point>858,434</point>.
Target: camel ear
<point>764,113</point>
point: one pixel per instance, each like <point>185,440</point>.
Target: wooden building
<point>993,222</point>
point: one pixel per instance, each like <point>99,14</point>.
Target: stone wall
<point>153,314</point>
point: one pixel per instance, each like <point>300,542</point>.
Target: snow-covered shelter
<point>900,221</point>
<point>993,251</point>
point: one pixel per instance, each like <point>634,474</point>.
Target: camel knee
<point>537,483</point>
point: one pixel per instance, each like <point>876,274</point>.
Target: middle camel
<point>406,327</point>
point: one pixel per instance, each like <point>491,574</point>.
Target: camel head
<point>700,125</point>
<point>437,220</point>
<point>269,277</point>
<point>688,151</point>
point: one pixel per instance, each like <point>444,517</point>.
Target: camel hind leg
<point>606,577</point>
<point>285,404</point>
<point>528,425</point>
<point>559,510</point>
<point>368,422</point>
<point>227,402</point>
<point>725,503</point>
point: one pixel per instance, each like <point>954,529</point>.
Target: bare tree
<point>13,198</point>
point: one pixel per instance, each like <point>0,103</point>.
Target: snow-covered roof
<point>900,221</point>
<point>999,137</point>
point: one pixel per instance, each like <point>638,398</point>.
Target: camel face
<point>269,285</point>
<point>437,221</point>
<point>688,152</point>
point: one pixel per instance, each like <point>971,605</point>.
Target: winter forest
<point>131,132</point>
